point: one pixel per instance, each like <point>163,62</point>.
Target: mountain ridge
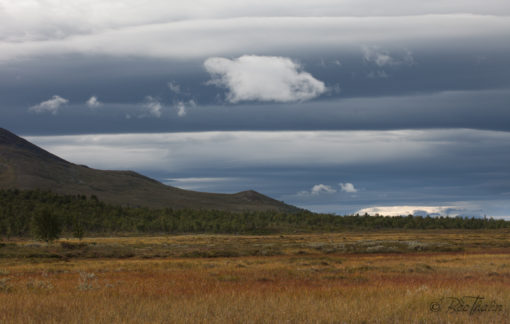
<point>24,165</point>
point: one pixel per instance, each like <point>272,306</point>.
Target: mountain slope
<point>24,165</point>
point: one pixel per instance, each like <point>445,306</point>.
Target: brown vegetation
<point>303,283</point>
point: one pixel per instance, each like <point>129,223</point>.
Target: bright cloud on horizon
<point>416,210</point>
<point>263,78</point>
<point>51,105</point>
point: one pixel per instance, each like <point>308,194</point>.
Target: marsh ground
<point>378,277</point>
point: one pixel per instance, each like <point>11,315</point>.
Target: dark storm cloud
<point>452,90</point>
<point>485,109</point>
<point>121,80</point>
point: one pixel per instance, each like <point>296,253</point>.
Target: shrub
<point>46,226</point>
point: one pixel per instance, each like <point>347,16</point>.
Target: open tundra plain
<point>370,277</point>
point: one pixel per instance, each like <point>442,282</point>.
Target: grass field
<point>379,277</point>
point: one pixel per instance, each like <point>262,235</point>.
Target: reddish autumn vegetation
<point>307,281</point>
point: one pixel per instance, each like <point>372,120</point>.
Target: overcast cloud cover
<point>337,106</point>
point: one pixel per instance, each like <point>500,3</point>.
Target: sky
<point>337,106</point>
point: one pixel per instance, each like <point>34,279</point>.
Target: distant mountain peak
<point>251,195</point>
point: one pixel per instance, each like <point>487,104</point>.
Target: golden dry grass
<point>300,285</point>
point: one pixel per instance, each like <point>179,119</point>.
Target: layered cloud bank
<point>41,20</point>
<point>275,35</point>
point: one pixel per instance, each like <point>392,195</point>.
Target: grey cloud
<point>268,35</point>
<point>204,183</point>
<point>43,20</point>
<point>250,148</point>
<point>152,107</point>
<point>485,110</point>
<point>174,87</point>
<point>378,74</point>
<point>287,149</point>
<point>182,107</point>
<point>381,57</point>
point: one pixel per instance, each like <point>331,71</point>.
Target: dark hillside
<point>26,166</point>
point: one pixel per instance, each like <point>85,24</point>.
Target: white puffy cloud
<point>152,107</point>
<point>93,102</point>
<point>321,188</point>
<point>347,187</point>
<point>263,78</point>
<point>52,105</point>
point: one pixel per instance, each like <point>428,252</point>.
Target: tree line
<point>35,213</point>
